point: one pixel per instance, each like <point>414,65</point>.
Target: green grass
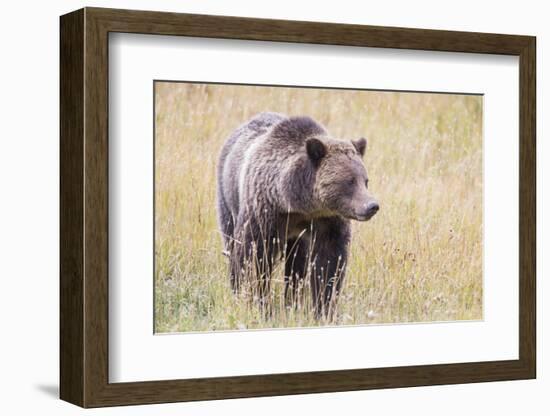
<point>419,259</point>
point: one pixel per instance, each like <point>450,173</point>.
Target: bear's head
<point>341,182</point>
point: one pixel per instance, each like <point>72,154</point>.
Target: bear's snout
<point>368,211</point>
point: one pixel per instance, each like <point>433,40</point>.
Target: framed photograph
<point>255,207</point>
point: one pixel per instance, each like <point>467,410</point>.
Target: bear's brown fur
<point>288,189</point>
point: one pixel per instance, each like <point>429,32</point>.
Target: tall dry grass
<point>419,259</point>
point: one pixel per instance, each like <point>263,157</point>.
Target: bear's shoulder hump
<point>298,127</point>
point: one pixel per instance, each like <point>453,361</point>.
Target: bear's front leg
<point>331,237</point>
<point>296,266</point>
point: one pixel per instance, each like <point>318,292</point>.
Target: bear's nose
<point>371,209</point>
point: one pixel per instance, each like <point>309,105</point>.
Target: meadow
<point>418,260</point>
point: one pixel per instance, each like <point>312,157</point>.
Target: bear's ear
<point>316,149</point>
<point>360,145</point>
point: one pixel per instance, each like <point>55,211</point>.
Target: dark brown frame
<point>84,208</point>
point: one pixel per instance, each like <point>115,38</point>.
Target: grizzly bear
<point>288,190</point>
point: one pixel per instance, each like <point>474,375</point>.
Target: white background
<point>29,209</point>
<point>135,354</point>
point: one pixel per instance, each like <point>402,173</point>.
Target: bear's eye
<point>351,181</point>
<point>366,183</point>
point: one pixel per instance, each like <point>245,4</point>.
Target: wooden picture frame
<point>84,207</point>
